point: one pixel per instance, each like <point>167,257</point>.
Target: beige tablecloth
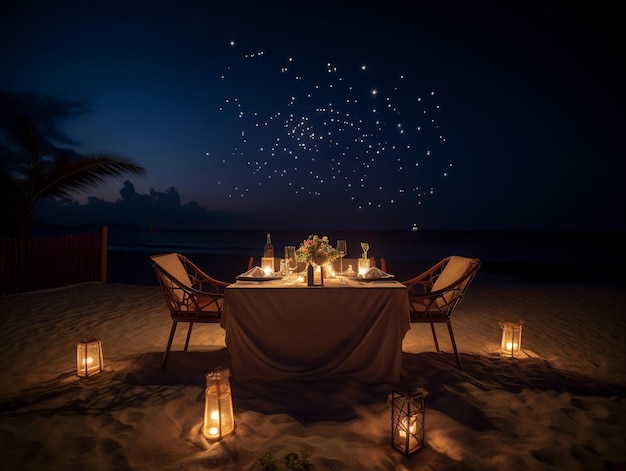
<point>276,331</point>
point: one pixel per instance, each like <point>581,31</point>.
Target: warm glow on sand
<point>497,411</point>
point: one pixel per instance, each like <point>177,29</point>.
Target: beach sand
<point>561,406</point>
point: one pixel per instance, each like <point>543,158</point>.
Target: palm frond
<point>72,175</point>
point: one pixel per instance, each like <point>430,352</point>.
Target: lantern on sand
<point>89,359</point>
<point>219,419</point>
<point>407,421</point>
<point>511,345</point>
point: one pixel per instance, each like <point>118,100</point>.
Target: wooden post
<point>104,242</point>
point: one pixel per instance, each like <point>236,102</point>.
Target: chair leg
<point>456,353</point>
<point>169,345</point>
<point>188,336</point>
<point>432,327</point>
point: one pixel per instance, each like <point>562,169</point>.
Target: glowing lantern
<point>407,421</point>
<point>364,266</point>
<point>511,345</point>
<point>89,357</point>
<point>267,264</point>
<point>219,419</point>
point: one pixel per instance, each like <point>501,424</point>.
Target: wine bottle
<point>268,250</point>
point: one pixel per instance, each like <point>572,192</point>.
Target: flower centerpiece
<point>316,250</point>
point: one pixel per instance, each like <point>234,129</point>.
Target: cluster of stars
<point>325,131</point>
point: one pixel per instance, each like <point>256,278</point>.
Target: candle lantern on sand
<point>407,421</point>
<point>219,419</point>
<point>511,345</point>
<point>89,357</point>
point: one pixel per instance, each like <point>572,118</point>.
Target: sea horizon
<point>224,253</point>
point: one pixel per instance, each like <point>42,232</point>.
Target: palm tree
<point>33,169</point>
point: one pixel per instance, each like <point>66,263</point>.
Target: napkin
<point>256,272</point>
<point>375,273</point>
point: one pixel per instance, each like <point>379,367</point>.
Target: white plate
<point>258,278</point>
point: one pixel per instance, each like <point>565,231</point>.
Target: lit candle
<point>218,406</point>
<point>411,441</point>
<point>214,431</point>
<point>267,264</point>
<point>403,428</point>
<point>364,266</point>
<point>89,357</point>
<point>511,344</point>
<point>317,275</point>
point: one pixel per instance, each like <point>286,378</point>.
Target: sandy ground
<point>561,406</point>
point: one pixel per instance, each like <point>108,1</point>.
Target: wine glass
<point>342,248</point>
<point>290,258</point>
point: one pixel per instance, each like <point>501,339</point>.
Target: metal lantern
<point>407,421</point>
<point>89,360</point>
<point>314,275</point>
<point>267,264</point>
<point>511,345</point>
<point>219,419</point>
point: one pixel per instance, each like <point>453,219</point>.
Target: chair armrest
<point>201,280</point>
<point>427,278</point>
<point>204,294</point>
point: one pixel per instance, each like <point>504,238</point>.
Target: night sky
<point>454,116</point>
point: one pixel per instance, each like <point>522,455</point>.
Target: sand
<point>560,406</point>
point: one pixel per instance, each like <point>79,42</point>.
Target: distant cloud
<point>154,208</point>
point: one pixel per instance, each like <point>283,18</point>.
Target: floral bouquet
<point>316,250</point>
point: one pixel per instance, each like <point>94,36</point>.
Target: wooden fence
<point>34,263</point>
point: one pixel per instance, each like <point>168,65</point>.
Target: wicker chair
<point>191,295</point>
<point>436,293</point>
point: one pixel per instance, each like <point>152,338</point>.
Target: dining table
<point>282,329</point>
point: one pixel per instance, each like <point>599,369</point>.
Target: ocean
<point>223,254</point>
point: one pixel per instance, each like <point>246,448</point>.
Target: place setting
<point>314,263</point>
<point>258,274</point>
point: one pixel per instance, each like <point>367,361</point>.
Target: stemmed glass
<point>342,248</point>
<point>290,258</point>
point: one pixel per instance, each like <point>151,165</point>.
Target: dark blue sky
<point>496,115</point>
